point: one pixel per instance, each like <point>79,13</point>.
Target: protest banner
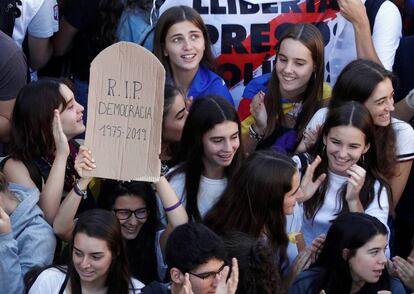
<point>245,33</point>
<point>125,104</point>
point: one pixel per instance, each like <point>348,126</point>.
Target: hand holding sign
<point>125,103</point>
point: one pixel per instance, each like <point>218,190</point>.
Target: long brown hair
<point>312,39</point>
<point>356,115</point>
<point>31,126</point>
<point>253,200</point>
<point>104,225</point>
<point>169,18</point>
<point>205,113</point>
<point>357,82</point>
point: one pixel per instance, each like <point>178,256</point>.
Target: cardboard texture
<point>125,104</point>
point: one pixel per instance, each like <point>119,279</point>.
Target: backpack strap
<point>34,173</point>
<point>372,7</point>
<point>65,282</point>
<point>147,35</point>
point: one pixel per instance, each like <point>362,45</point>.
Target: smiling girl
<point>98,262</point>
<point>210,151</point>
<point>244,205</point>
<point>347,148</point>
<point>183,46</point>
<point>276,107</point>
<point>45,117</point>
<point>260,201</point>
<point>352,260</point>
<point>370,84</point>
<point>173,120</point>
<point>135,206</point>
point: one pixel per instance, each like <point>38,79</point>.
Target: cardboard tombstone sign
<point>125,104</point>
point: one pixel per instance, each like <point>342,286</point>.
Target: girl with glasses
<point>135,206</point>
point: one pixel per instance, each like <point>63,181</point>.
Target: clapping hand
<point>307,185</point>
<point>405,270</point>
<point>258,111</point>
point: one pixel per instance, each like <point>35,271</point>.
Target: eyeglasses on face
<point>123,214</point>
<point>208,275</point>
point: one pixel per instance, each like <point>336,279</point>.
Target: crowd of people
<point>303,184</point>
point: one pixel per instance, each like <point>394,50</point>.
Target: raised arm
<point>64,221</point>
<point>354,11</point>
<point>175,211</point>
<point>381,44</point>
<point>255,131</point>
<point>52,190</point>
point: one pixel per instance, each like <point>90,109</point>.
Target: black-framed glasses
<point>123,214</point>
<point>208,275</point>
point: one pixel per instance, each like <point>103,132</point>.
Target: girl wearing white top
<point>347,148</point>
<point>210,152</point>
<point>370,84</point>
<point>98,263</point>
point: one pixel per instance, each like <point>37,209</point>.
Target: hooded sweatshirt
<point>31,242</point>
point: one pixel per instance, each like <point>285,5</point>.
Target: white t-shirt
<point>39,18</point>
<point>209,192</point>
<point>341,48</point>
<point>332,205</point>
<point>50,281</point>
<point>404,134</point>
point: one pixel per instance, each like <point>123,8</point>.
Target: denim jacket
<point>31,242</point>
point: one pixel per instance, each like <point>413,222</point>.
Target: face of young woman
<point>209,284</point>
<point>130,226</point>
<point>91,259</point>
<point>184,46</point>
<point>369,260</point>
<point>344,147</point>
<point>175,120</point>
<point>381,103</point>
<point>220,144</point>
<point>294,68</point>
<point>289,200</point>
<point>71,116</point>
